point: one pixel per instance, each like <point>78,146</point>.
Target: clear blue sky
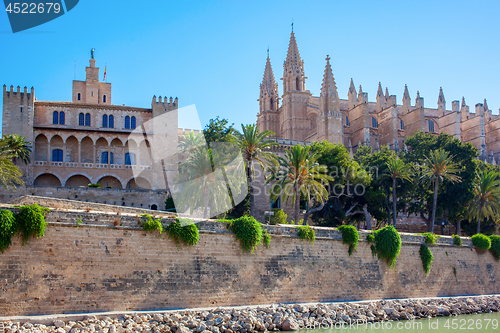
<point>212,53</point>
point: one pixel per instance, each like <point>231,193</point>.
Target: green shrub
<point>248,230</point>
<point>350,236</point>
<point>279,217</point>
<point>427,257</point>
<point>481,241</point>
<point>94,185</point>
<point>387,244</point>
<point>495,246</point>
<point>306,232</point>
<point>457,240</point>
<point>370,238</point>
<point>266,238</point>
<point>430,238</point>
<point>183,230</point>
<point>31,221</point>
<point>152,224</point>
<point>8,227</point>
<point>169,205</point>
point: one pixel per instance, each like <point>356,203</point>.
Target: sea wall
<point>101,267</point>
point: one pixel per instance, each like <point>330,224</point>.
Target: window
<point>104,98</point>
<point>111,161</point>
<point>347,123</point>
<point>402,124</point>
<point>81,119</point>
<point>105,120</point>
<point>61,118</point>
<point>92,93</point>
<point>431,125</point>
<point>374,123</point>
<point>129,159</point>
<point>275,204</point>
<point>132,125</point>
<point>104,158</point>
<point>127,122</point>
<point>87,119</point>
<point>79,96</point>
<point>111,121</point>
<point>55,118</point>
<point>57,155</point>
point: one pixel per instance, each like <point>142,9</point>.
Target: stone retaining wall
<point>98,267</point>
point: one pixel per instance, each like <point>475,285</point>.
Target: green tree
<point>439,166</point>
<point>218,130</point>
<point>299,176</point>
<point>397,169</point>
<point>254,146</point>
<point>190,141</point>
<point>486,201</point>
<point>452,195</point>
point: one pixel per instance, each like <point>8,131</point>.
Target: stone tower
<point>18,118</point>
<point>268,117</point>
<point>91,91</point>
<point>293,118</point>
<point>330,122</point>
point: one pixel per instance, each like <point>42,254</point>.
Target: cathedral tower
<point>330,125</point>
<point>268,117</point>
<point>293,115</point>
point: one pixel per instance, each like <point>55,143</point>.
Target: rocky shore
<point>284,317</point>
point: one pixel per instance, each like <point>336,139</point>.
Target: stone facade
<point>356,121</point>
<point>90,140</point>
<point>97,266</point>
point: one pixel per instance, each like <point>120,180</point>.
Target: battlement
<point>24,97</point>
<point>169,105</point>
<point>183,131</point>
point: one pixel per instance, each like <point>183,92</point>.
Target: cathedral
<point>301,117</point>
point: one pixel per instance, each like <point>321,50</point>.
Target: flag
<point>104,73</point>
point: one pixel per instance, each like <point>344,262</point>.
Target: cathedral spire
<point>352,89</point>
<point>293,68</point>
<point>268,90</point>
<point>328,87</point>
<point>406,94</point>
<point>441,101</point>
<point>268,81</point>
<point>351,96</point>
<point>379,91</point>
<point>485,105</point>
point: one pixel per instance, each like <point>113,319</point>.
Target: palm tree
<point>397,169</point>
<point>191,140</point>
<point>207,181</point>
<point>486,201</point>
<point>299,176</point>
<point>254,147</point>
<point>18,145</point>
<point>439,166</point>
<point>10,175</point>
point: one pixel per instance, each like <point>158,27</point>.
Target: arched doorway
<point>47,179</point>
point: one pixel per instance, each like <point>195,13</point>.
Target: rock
<point>289,325</point>
<point>59,323</point>
<point>112,329</point>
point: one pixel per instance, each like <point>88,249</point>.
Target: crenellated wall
<point>99,267</point>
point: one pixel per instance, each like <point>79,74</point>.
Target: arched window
<point>132,125</point>
<point>401,124</point>
<point>92,93</point>
<point>79,96</point>
<point>129,159</point>
<point>111,160</point>
<point>55,118</point>
<point>431,125</point>
<point>57,155</point>
<point>104,98</point>
<point>104,157</point>
<point>87,119</point>
<point>105,120</point>
<point>154,207</point>
<point>127,122</point>
<point>374,123</point>
<point>81,119</point>
<point>347,123</point>
<point>111,121</point>
<point>61,118</point>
